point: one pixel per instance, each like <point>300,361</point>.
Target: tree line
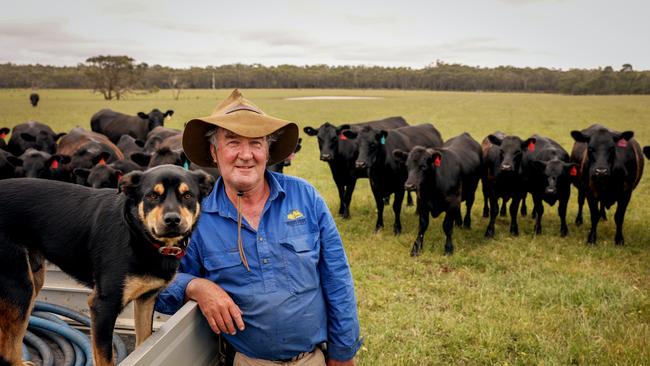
<point>115,75</point>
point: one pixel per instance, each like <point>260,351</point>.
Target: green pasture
<point>507,301</point>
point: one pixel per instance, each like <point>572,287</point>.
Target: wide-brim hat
<point>244,118</point>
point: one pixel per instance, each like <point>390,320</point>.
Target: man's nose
<point>245,153</point>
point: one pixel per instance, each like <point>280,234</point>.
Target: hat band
<point>242,107</point>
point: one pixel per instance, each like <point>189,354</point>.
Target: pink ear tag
<point>622,143</point>
<point>119,177</point>
<point>437,161</point>
<point>573,171</point>
<point>531,146</point>
<point>3,135</point>
<point>342,137</point>
<point>54,164</point>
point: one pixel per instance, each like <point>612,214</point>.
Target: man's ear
<point>130,184</point>
<point>205,182</point>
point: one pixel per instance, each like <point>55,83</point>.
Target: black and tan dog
<point>123,244</point>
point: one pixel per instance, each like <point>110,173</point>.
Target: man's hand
<point>217,307</point>
<point>340,363</point>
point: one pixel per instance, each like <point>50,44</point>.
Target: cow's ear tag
<point>119,177</point>
<point>383,140</point>
<point>186,165</point>
<point>102,162</point>
<point>622,143</point>
<point>342,136</point>
<point>54,164</point>
<point>3,135</point>
<point>531,146</point>
<point>573,171</point>
<point>437,161</point>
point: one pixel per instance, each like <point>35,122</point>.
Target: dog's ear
<point>130,184</point>
<point>205,182</point>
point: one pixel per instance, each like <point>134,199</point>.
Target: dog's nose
<point>172,219</point>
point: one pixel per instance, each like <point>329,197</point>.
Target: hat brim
<point>247,124</point>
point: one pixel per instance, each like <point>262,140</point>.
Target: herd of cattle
<point>604,165</point>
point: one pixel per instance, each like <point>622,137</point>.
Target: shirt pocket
<point>301,254</point>
<point>227,270</point>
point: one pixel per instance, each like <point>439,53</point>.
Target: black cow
<point>486,145</point>
<point>39,164</point>
<point>340,153</point>
<point>443,178</point>
<point>503,177</point>
<point>33,135</point>
<point>130,145</point>
<point>156,136</point>
<point>34,98</point>
<point>548,176</point>
<point>86,149</point>
<point>646,151</point>
<point>388,174</point>
<point>104,175</point>
<point>611,168</point>
<point>115,124</point>
<point>279,166</point>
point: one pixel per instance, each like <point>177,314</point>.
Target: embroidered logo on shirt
<point>295,215</point>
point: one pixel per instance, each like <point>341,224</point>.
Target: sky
<point>560,34</point>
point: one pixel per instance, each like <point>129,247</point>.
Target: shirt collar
<point>218,200</point>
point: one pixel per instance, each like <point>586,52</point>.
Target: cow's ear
<point>169,113</point>
<point>14,160</point>
<point>310,131</point>
<point>102,158</point>
<point>143,115</point>
<point>436,158</point>
<point>81,172</point>
<point>63,159</point>
<point>27,137</point>
<point>130,184</point>
<point>529,144</point>
<point>342,127</point>
<point>4,130</point>
<point>627,136</point>
<point>494,140</point>
<point>139,143</point>
<point>205,182</point>
<point>349,134</point>
<point>185,162</point>
<point>141,158</point>
<point>646,152</point>
<point>382,136</point>
<point>571,169</point>
<point>400,155</point>
<point>579,136</point>
<point>59,135</point>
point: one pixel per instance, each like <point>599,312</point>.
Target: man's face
<point>241,160</point>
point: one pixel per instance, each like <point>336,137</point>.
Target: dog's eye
<point>152,196</point>
<point>187,195</point>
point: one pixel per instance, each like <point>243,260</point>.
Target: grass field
<point>511,300</point>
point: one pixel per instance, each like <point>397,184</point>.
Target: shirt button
<point>260,238</point>
<point>265,261</point>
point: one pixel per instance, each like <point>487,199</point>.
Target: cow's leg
<point>423,224</point>
<point>469,202</point>
<point>347,198</point>
<point>514,208</point>
<point>619,216</point>
<point>581,202</point>
<point>341,188</point>
<point>397,209</point>
<point>379,202</point>
<point>561,211</point>
<point>524,209</point>
<point>494,211</point>
<point>486,199</point>
<point>594,213</point>
<point>538,211</point>
<point>448,228</point>
<point>103,313</point>
<point>603,212</point>
<point>503,211</point>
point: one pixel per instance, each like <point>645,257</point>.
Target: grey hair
<point>212,137</point>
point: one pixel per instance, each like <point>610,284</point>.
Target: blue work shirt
<point>299,290</point>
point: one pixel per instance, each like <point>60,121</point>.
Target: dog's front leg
<point>103,312</point>
<point>143,317</point>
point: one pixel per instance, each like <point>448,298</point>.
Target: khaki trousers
<point>315,358</point>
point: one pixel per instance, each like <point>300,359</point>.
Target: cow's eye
<point>187,195</point>
<point>152,196</point>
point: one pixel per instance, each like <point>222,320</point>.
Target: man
<point>266,263</point>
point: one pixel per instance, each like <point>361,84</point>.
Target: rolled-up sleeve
<point>172,298</point>
<point>343,331</point>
